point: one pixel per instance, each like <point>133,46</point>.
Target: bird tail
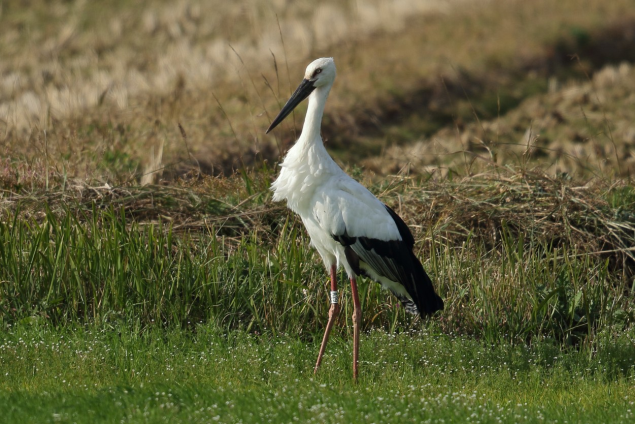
<point>423,294</point>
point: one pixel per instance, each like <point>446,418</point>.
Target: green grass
<point>204,300</point>
<point>121,373</point>
<point>254,270</point>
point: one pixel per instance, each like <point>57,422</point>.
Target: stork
<point>347,224</point>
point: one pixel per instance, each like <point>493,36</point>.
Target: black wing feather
<point>395,260</point>
<point>404,231</point>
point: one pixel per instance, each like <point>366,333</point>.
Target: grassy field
<point>146,275</point>
<point>97,92</point>
<point>112,374</point>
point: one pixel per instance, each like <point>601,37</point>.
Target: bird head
<point>319,73</point>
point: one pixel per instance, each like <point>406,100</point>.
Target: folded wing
<point>373,233</point>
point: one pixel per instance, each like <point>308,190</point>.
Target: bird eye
<point>317,71</point>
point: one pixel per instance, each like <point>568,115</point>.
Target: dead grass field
<point>97,92</point>
<point>583,128</point>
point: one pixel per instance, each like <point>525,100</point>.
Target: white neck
<point>307,156</point>
<point>313,119</point>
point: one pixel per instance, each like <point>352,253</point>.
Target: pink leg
<point>333,312</point>
<point>357,318</point>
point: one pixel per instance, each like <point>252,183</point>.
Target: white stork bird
<point>348,226</point>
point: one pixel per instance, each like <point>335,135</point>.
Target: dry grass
<point>597,217</point>
<point>93,91</point>
<point>584,129</point>
<point>114,52</point>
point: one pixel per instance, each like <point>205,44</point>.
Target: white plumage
<point>347,224</point>
<point>330,202</point>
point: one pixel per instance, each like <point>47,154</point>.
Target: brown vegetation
<point>91,93</point>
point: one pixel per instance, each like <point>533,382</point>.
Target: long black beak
<point>302,92</point>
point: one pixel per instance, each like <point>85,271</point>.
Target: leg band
<point>334,299</point>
